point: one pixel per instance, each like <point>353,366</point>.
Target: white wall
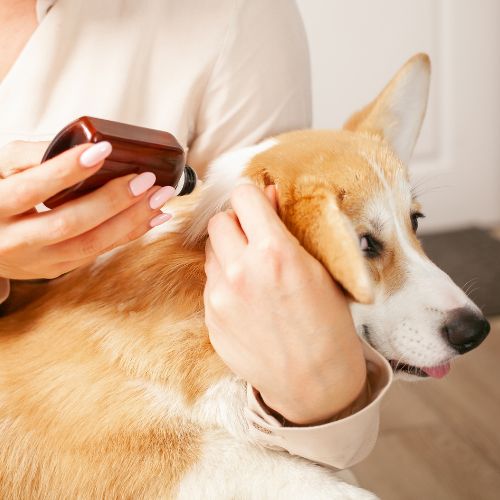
<point>357,45</point>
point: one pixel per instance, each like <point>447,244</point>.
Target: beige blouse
<point>218,75</point>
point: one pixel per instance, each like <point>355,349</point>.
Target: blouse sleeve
<point>259,85</point>
<point>341,443</point>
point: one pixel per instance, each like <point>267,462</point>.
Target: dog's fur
<point>109,386</point>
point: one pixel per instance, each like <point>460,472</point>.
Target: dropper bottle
<point>135,150</point>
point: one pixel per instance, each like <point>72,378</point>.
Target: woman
<point>217,78</point>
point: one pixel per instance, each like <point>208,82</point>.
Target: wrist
<point>319,398</point>
<point>293,413</point>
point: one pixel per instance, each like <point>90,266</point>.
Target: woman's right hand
<point>48,244</point>
<point>276,317</point>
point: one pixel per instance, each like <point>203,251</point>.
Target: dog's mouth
<point>398,367</point>
<point>438,371</point>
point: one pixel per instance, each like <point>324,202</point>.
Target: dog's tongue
<point>437,371</point>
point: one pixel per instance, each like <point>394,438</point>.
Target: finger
<point>226,238</point>
<point>91,210</point>
<point>30,211</point>
<point>136,233</point>
<point>214,274</point>
<point>139,231</point>
<point>30,187</point>
<point>212,266</point>
<point>20,155</point>
<point>67,266</point>
<point>255,214</point>
<point>122,228</point>
<point>272,196</point>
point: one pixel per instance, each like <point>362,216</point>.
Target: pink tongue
<point>437,371</point>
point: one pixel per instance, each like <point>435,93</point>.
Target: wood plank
<point>428,462</point>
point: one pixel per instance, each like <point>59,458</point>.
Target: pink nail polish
<point>161,197</point>
<point>159,219</point>
<point>141,183</point>
<point>95,154</point>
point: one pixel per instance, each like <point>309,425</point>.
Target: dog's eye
<point>414,220</point>
<point>370,246</point>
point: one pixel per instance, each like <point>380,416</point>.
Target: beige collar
<point>42,7</point>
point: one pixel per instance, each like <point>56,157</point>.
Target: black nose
<point>465,329</point>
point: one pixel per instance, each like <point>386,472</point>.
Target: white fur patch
<point>230,468</point>
<point>162,400</point>
<point>224,174</point>
<point>221,405</point>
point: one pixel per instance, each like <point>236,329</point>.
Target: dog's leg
<point>231,469</point>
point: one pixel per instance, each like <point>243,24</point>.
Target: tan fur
<point>76,416</point>
<point>67,365</point>
<point>304,166</point>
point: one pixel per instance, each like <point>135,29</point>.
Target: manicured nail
<point>159,219</point>
<point>161,197</point>
<point>95,154</point>
<point>142,183</point>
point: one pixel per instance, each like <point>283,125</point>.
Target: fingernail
<point>142,183</point>
<point>95,154</point>
<point>159,219</point>
<point>161,197</point>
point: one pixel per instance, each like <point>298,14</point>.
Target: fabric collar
<point>42,7</point>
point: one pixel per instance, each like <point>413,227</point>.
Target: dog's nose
<point>465,329</point>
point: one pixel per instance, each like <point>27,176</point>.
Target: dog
<point>109,386</point>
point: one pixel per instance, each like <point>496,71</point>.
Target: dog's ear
<point>398,112</point>
<point>313,216</point>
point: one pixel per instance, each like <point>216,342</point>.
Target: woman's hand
<point>276,317</point>
<point>48,244</point>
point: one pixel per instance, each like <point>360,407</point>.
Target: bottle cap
<point>187,182</point>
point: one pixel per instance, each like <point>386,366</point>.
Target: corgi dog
<point>109,386</point>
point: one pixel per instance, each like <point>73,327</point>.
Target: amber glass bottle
<point>135,150</point>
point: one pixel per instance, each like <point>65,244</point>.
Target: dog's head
<point>346,196</point>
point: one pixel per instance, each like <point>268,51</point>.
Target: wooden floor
<point>440,440</point>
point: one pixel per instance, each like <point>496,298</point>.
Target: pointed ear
<point>326,233</point>
<point>398,112</point>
